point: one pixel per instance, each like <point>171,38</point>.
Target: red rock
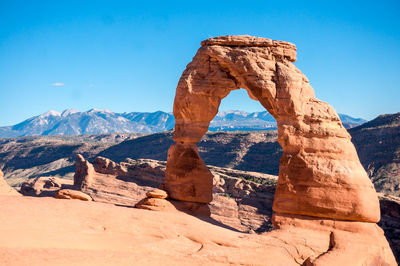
<point>123,184</point>
<point>157,193</point>
<point>184,163</point>
<point>323,195</point>
<point>350,243</point>
<point>320,173</point>
<point>6,189</point>
<point>42,186</point>
<point>83,172</point>
<point>155,204</point>
<point>45,231</point>
<point>72,194</point>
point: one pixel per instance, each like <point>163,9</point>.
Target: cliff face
<point>378,146</point>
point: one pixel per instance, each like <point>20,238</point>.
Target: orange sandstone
<point>320,174</point>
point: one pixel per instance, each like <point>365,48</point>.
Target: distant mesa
<point>100,121</point>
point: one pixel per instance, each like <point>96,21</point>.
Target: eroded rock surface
<point>320,174</point>
<point>322,185</point>
<point>6,189</point>
<point>73,232</point>
<point>242,200</point>
<point>72,194</point>
<point>42,186</point>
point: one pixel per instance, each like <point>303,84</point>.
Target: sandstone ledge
<point>64,232</point>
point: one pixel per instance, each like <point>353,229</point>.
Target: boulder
<point>157,193</point>
<point>72,194</point>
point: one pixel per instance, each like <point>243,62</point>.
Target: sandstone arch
<point>320,174</point>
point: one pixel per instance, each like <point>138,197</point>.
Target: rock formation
<point>72,194</point>
<point>42,186</point>
<point>46,231</point>
<point>124,184</point>
<point>5,189</point>
<point>322,184</point>
<point>320,174</point>
<point>239,202</point>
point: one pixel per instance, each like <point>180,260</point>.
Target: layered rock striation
<point>320,173</point>
<point>322,184</point>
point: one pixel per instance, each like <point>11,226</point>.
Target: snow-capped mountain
<point>94,121</point>
<point>238,120</point>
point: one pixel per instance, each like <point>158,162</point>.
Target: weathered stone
<point>323,194</point>
<point>70,232</point>
<point>184,163</point>
<point>122,184</point>
<point>157,193</point>
<point>42,186</point>
<point>5,189</point>
<point>155,204</point>
<point>350,243</point>
<point>320,174</point>
<point>72,194</point>
<point>83,173</point>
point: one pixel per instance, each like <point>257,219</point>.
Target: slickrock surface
<point>5,189</point>
<point>320,174</point>
<point>72,232</point>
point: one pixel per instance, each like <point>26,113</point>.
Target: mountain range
<point>94,121</point>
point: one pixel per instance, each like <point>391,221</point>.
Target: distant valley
<point>73,122</point>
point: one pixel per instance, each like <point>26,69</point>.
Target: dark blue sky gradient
<point>128,56</point>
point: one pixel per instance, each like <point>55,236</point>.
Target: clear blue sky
<point>128,55</point>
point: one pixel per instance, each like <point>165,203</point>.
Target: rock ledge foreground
<point>47,231</point>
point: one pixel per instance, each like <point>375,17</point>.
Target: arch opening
<point>319,173</point>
